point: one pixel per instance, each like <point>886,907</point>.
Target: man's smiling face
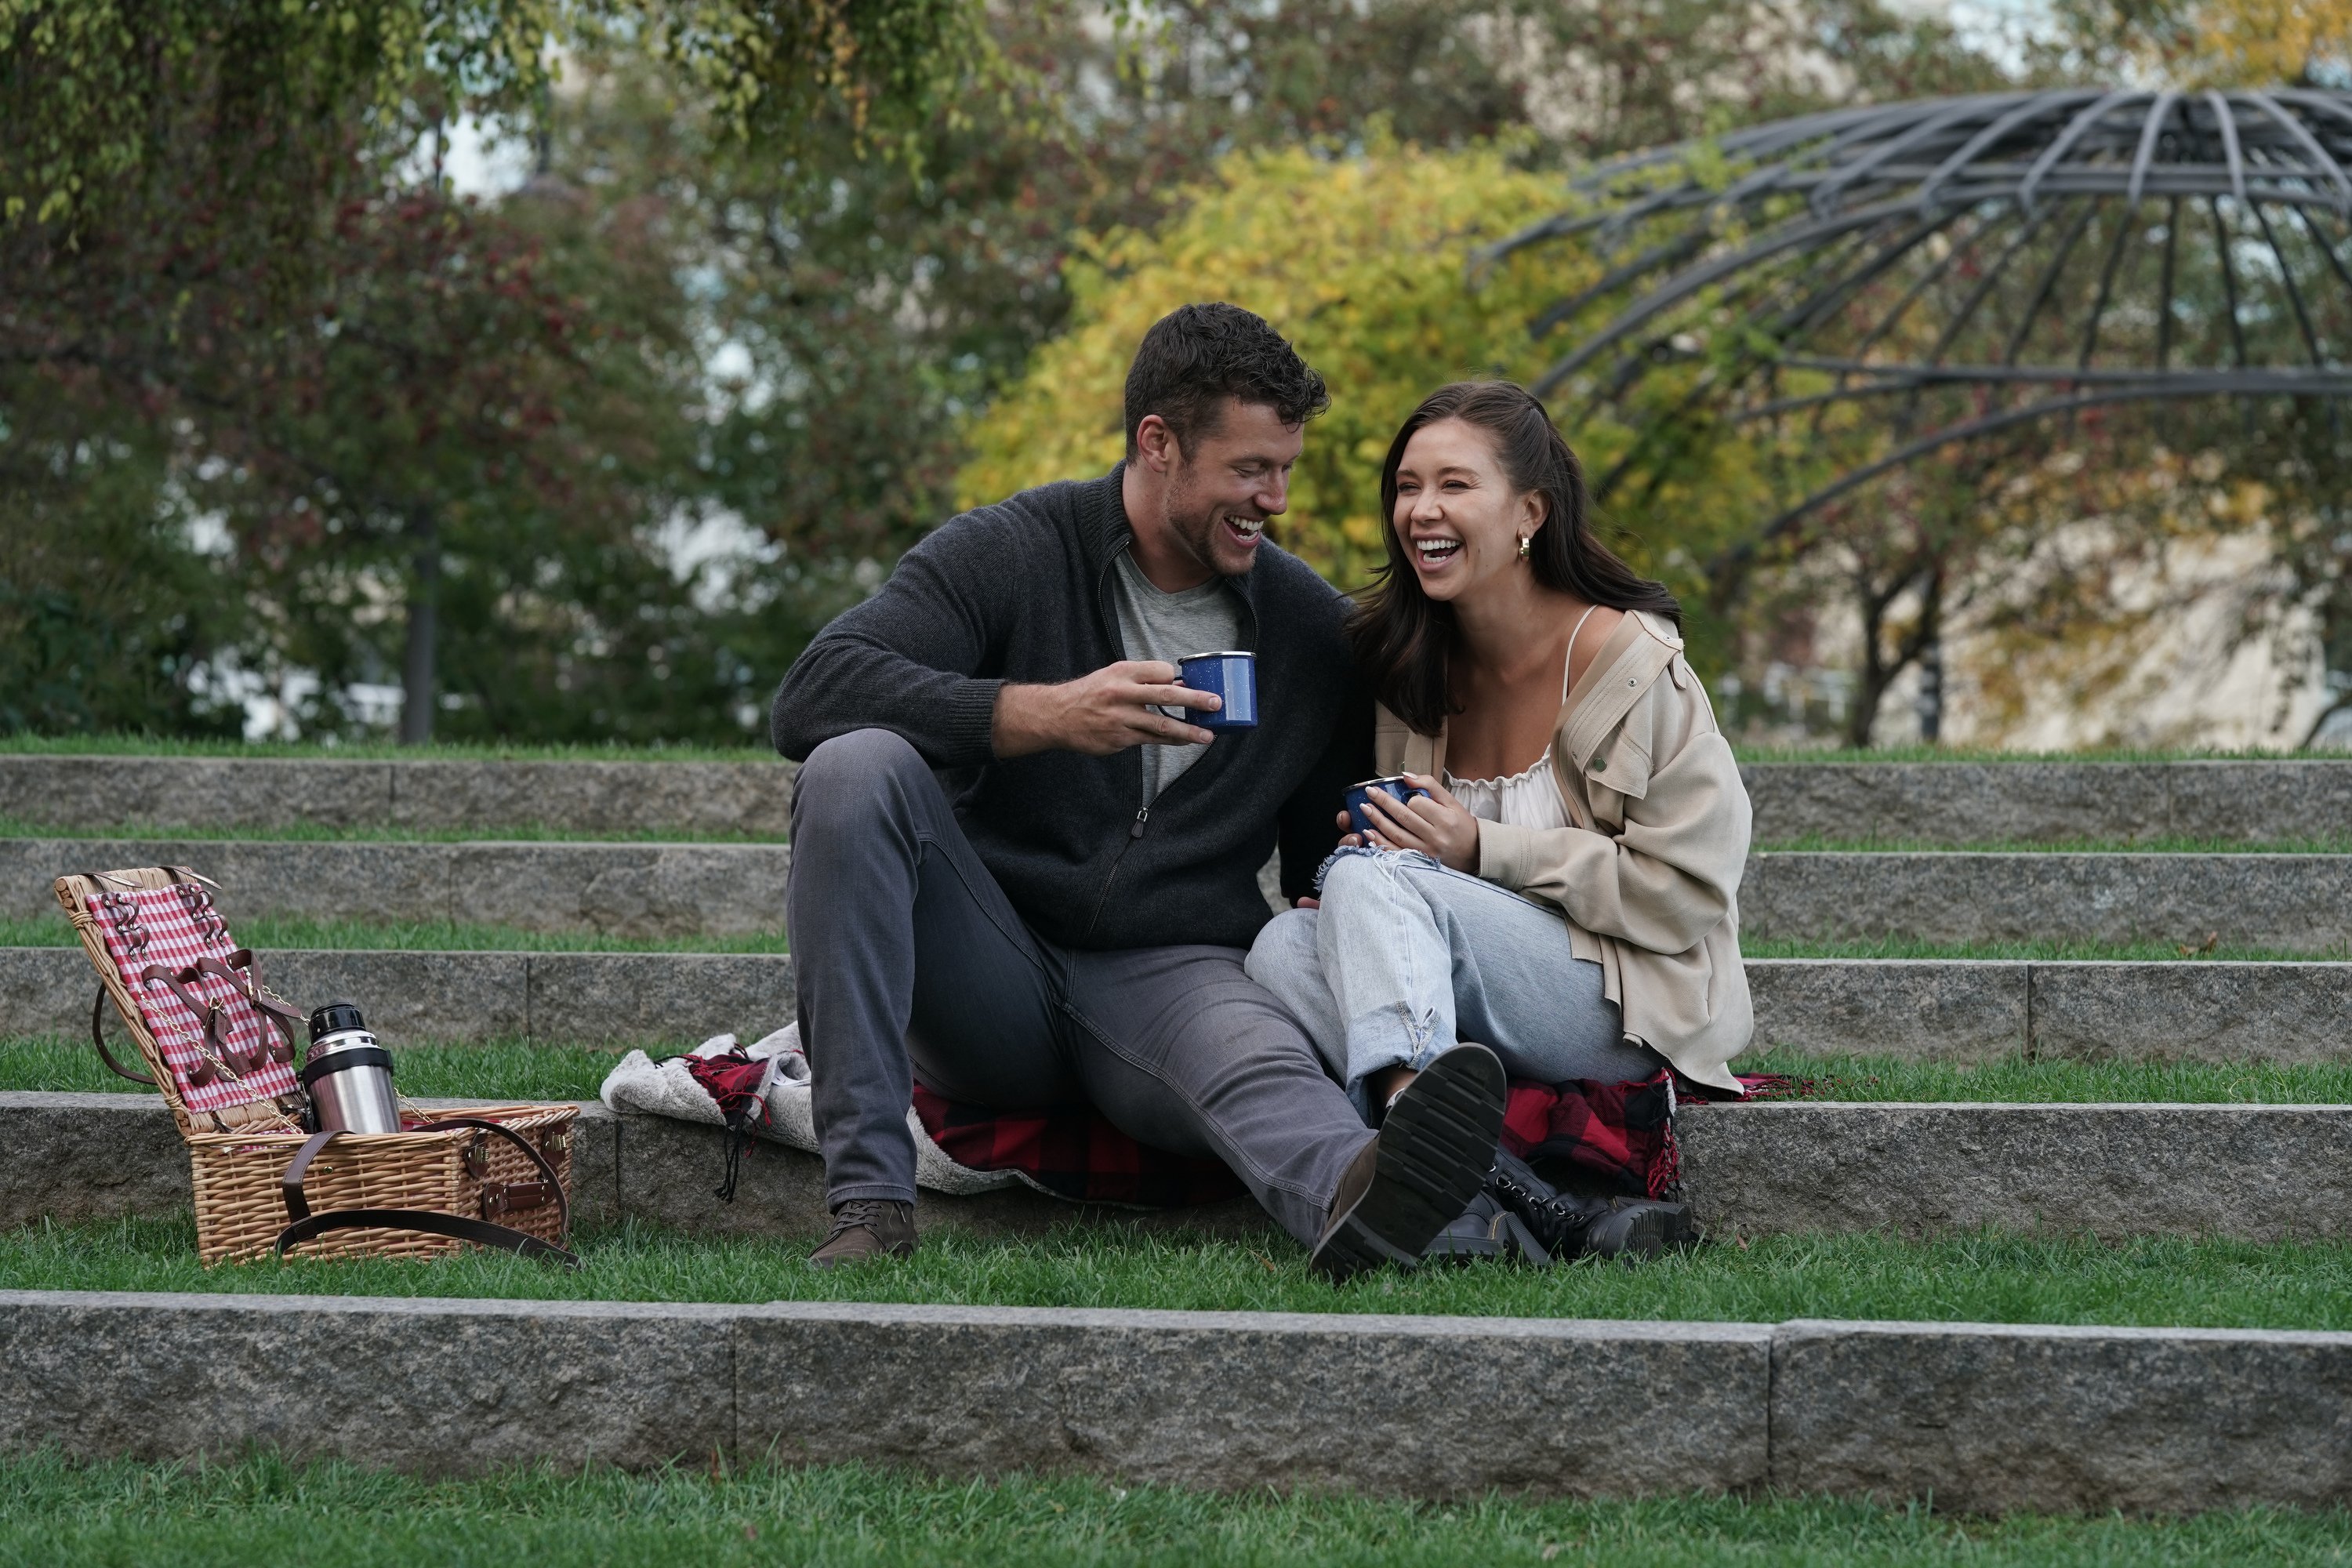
<point>1235,476</point>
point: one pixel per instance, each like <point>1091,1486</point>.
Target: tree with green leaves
<point>418,421</point>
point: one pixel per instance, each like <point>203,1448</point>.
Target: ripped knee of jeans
<point>1383,858</point>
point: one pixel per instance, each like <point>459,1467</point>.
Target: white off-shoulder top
<point>1529,798</point>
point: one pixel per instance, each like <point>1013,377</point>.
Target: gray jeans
<point>912,964</point>
<point>1406,957</point>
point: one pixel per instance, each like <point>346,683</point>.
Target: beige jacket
<point>1649,874</point>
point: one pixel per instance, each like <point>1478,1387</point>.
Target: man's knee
<point>1239,1025</point>
<point>850,776</point>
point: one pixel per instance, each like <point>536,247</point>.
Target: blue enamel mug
<point>1394,786</point>
<point>1232,676</point>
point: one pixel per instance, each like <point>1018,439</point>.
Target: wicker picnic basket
<point>221,1047</point>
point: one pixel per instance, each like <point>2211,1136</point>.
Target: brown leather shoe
<point>864,1229</point>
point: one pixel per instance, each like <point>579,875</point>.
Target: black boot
<point>1569,1226</point>
<point>1487,1229</point>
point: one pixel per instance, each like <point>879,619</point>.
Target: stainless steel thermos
<point>347,1075</point>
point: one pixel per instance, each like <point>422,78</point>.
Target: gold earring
<point>1523,547</point>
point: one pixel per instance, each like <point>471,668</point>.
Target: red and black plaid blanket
<point>1621,1132</point>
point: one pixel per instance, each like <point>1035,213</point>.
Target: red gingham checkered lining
<point>168,921</point>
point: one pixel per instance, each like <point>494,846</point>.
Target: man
<point>1059,912</point>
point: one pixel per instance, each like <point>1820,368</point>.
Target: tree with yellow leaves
<point>1363,262</point>
<point>2256,42</point>
<point>2209,43</point>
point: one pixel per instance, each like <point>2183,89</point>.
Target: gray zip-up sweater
<point>1021,591</point>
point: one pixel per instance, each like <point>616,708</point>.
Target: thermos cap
<point>334,1019</point>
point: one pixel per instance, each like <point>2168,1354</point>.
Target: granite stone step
<point>619,889</point>
<point>2289,903</point>
<point>671,999</point>
<point>73,1157</point>
<point>1953,804</point>
<point>2286,903</point>
<point>1935,803</point>
<point>1983,1418</point>
<point>2255,1172</point>
<point>1922,1009</point>
<point>752,798</point>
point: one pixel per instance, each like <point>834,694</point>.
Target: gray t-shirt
<point>1169,627</point>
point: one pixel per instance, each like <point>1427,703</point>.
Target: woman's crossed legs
<point>1405,957</point>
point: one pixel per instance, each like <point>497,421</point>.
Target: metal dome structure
<point>1958,268</point>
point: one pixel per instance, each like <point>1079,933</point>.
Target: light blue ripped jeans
<point>1406,958</point>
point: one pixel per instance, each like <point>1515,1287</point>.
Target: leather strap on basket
<point>98,1038</point>
<point>433,1222</point>
<point>307,1225</point>
<point>247,984</point>
<point>242,970</point>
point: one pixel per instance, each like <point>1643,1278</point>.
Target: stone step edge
<point>2300,903</point>
<point>1940,1009</point>
<point>2248,1171</point>
<point>588,794</point>
<point>2150,1420</point>
<point>156,846</point>
<point>2027,799</point>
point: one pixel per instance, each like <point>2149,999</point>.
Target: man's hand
<point>1113,708</point>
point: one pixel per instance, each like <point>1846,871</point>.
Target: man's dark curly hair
<point>1197,355</point>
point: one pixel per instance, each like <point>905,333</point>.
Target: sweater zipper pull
<point>1141,817</point>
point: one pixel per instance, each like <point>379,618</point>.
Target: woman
<point>1565,892</point>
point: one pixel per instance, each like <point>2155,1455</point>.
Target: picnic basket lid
<point>146,930</point>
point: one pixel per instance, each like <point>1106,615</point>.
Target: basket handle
<point>433,1222</point>
<point>307,1225</point>
<point>98,1038</point>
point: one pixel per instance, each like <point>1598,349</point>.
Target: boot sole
<point>1432,1157</point>
<point>1641,1234</point>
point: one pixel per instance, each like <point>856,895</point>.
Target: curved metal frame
<point>1986,202</point>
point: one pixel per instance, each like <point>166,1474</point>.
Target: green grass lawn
<point>1862,1078</point>
<point>534,1070</point>
<point>268,1510</point>
<point>282,933</point>
<point>491,1069</point>
<point>374,833</point>
<point>288,932</point>
<point>2169,844</point>
<point>751,750</point>
<point>1918,753</point>
<point>755,750</point>
<point>1978,1276</point>
<point>370,833</point>
<point>2039,952</point>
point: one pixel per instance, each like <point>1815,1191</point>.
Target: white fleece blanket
<point>667,1089</point>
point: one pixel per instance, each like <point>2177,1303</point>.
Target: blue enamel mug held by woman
<point>1396,786</point>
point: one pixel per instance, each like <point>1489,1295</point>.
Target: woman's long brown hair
<point>1400,635</point>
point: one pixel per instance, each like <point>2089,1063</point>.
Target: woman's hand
<point>1437,825</point>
